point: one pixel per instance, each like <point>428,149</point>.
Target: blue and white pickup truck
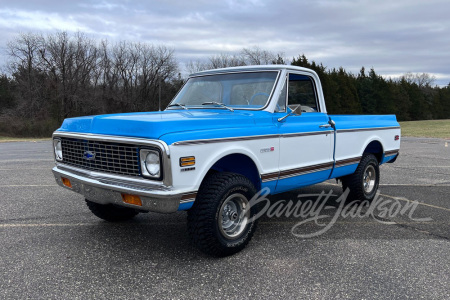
<point>226,135</point>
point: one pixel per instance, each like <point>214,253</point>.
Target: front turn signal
<point>132,199</point>
<point>66,182</point>
<point>187,161</point>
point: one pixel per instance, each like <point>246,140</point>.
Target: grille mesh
<point>108,157</point>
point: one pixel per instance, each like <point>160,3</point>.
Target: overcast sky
<point>393,36</point>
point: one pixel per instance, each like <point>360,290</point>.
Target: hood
<point>155,124</point>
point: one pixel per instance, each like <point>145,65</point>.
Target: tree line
<point>62,75</point>
<point>410,97</point>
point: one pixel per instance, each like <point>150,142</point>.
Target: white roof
<point>254,68</point>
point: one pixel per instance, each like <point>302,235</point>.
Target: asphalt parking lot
<point>52,247</point>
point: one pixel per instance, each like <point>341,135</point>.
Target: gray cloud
<point>394,37</point>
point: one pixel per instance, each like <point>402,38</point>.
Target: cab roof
<point>252,68</point>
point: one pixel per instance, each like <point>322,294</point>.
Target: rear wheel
<point>110,212</point>
<point>363,184</point>
<point>219,222</point>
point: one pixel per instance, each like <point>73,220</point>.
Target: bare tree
<point>421,79</point>
<point>24,66</point>
<point>247,56</point>
<point>70,62</point>
<point>194,66</point>
<point>224,60</point>
<point>257,56</point>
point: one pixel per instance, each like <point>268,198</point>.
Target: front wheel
<point>110,212</point>
<point>219,223</point>
<point>363,184</point>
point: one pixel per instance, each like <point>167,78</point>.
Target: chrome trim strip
<point>189,197</point>
<point>391,152</point>
<point>296,172</point>
<point>367,129</point>
<point>308,169</point>
<point>297,134</point>
<point>187,201</point>
<point>156,200</point>
<point>119,180</point>
<point>269,100</point>
<point>110,138</point>
<point>224,71</point>
<point>347,162</point>
<point>229,139</point>
<point>249,138</point>
<point>303,173</point>
<point>269,136</point>
<point>166,162</point>
<point>269,176</point>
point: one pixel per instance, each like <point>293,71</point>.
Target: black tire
<point>110,212</point>
<point>359,188</point>
<point>211,214</point>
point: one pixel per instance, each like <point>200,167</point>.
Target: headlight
<point>58,149</point>
<point>150,163</point>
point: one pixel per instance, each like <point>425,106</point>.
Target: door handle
<point>325,126</point>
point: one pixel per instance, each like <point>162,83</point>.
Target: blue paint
<point>175,125</point>
<point>185,206</point>
<point>182,125</point>
<point>293,183</point>
<point>271,185</point>
<point>388,158</point>
<point>342,171</point>
<point>364,121</point>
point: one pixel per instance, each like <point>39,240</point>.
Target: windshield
<point>250,90</point>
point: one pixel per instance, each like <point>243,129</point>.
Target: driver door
<point>306,142</point>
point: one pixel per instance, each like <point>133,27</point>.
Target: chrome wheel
<point>369,179</point>
<point>233,216</point>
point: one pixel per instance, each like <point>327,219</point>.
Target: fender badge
<point>264,150</point>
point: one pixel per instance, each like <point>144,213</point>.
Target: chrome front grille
<point>116,158</point>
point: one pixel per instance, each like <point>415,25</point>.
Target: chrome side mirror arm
<point>295,111</point>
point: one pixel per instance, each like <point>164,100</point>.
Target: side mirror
<point>295,110</point>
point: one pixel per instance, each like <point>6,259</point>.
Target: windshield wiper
<point>178,104</point>
<point>218,103</point>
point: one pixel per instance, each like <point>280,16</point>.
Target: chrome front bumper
<point>108,189</point>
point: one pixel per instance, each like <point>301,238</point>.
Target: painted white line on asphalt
<point>25,159</point>
<point>412,167</point>
<point>46,225</point>
<point>12,225</point>
<point>18,225</point>
<point>28,185</point>
<point>21,169</point>
<point>398,184</point>
<point>24,152</point>
<point>373,222</point>
<point>420,203</point>
<point>407,200</point>
<point>418,185</point>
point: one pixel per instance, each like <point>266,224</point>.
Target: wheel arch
<point>237,162</point>
<point>376,148</point>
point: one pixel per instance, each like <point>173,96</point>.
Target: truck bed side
<point>359,134</point>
